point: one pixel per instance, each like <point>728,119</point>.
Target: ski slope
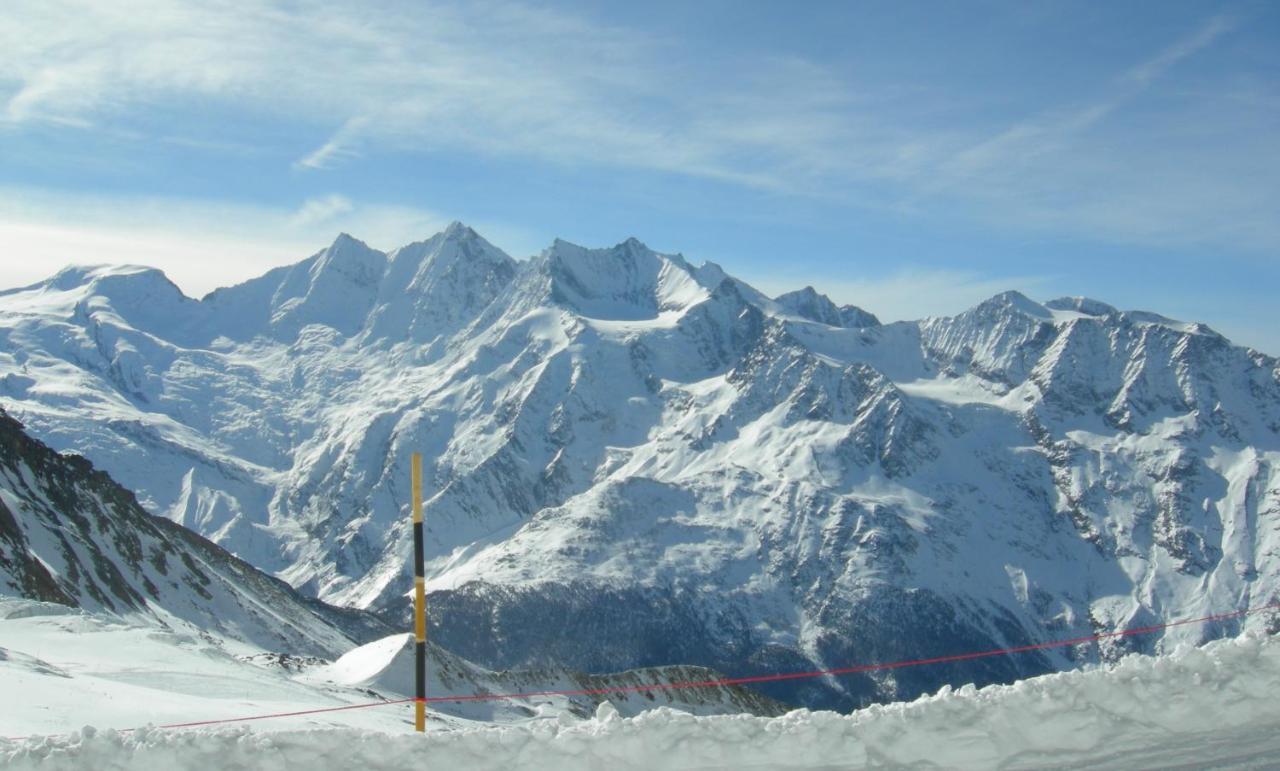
<point>1197,707</point>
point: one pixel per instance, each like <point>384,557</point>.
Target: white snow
<point>963,390</point>
<point>1198,707</point>
<point>61,668</point>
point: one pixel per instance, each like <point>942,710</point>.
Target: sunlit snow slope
<point>638,461</point>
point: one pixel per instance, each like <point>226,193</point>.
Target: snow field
<point>1214,705</point>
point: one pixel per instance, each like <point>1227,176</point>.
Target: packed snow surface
<point>1204,707</point>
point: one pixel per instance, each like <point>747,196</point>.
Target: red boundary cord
<point>733,680</point>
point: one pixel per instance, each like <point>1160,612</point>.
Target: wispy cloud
<point>1174,172</point>
<point>503,78</point>
<point>1146,72</point>
<point>499,78</point>
<point>320,210</point>
<point>338,146</point>
<point>1050,132</point>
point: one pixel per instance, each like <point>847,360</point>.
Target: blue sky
<point>911,158</point>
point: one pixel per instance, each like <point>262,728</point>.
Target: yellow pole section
<point>419,601</point>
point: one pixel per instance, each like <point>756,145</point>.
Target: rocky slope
<point>72,536</point>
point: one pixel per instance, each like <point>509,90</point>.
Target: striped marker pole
<point>419,602</point>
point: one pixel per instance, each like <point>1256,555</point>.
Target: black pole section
<point>421,658</point>
<point>419,602</point>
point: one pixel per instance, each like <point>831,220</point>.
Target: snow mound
<point>384,665</point>
<point>1200,706</point>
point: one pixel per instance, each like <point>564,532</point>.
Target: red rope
<point>282,714</point>
<point>734,680</point>
<point>856,669</point>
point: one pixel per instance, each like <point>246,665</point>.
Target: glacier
<point>675,467</point>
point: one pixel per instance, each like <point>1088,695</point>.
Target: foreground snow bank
<point>1198,705</point>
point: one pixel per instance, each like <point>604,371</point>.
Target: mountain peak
<point>434,286</point>
<point>1015,301</point>
<point>808,303</point>
<point>334,287</point>
<point>344,237</point>
<point>629,281</point>
<point>347,244</point>
<point>853,317</point>
<point>465,240</point>
<point>811,304</point>
<point>144,297</point>
<point>352,258</point>
<point>74,276</point>
<point>459,230</point>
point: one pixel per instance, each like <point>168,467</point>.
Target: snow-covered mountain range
<point>636,461</point>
